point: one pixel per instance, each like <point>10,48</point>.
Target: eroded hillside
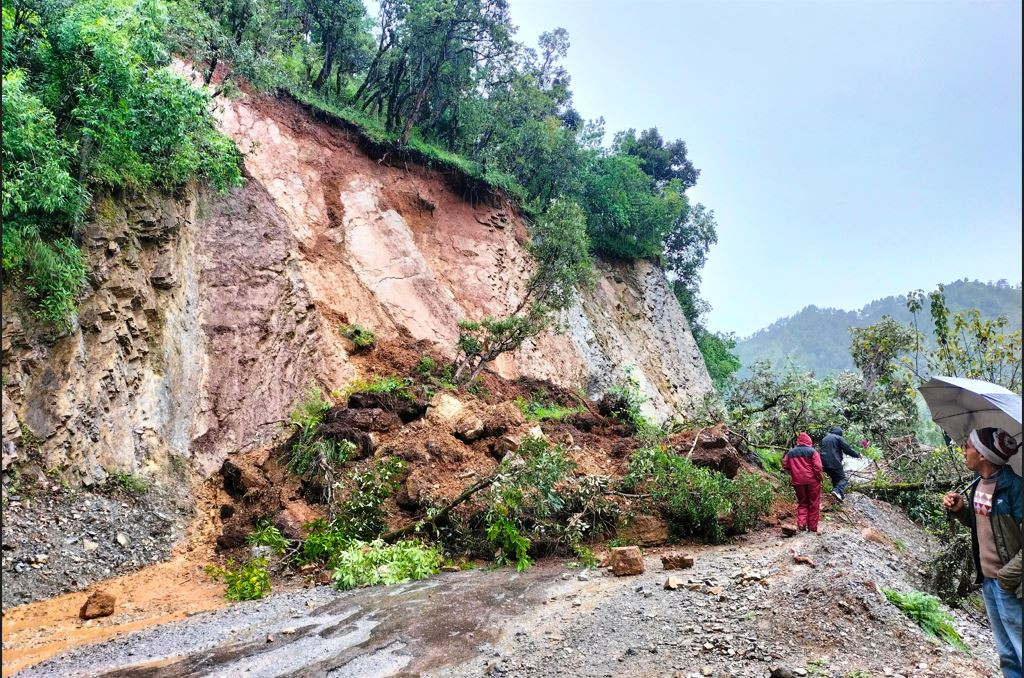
<point>208,316</point>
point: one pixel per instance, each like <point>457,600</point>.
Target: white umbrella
<point>960,405</point>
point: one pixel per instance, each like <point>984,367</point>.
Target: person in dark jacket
<point>833,447</point>
<point>993,510</point>
<point>803,463</point>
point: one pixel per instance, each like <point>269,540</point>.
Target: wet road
<point>381,631</point>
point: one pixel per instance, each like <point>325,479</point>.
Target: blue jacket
<point>1007,512</point>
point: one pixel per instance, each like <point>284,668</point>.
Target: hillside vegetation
<point>818,339</point>
<point>92,107</point>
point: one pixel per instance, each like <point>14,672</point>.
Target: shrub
<point>751,498</point>
<point>313,455</point>
<point>363,338</point>
<point>426,365</point>
<point>771,460</point>
<point>369,564</point>
<point>627,406</point>
<point>926,611</point>
<point>361,515</point>
<point>697,501</point>
<point>266,534</point>
<point>536,505</point>
<point>872,453</point>
<point>250,581</point>
<point>324,540</point>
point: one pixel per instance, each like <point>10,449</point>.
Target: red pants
<point>808,506</point>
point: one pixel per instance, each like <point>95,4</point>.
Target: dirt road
<point>743,610</point>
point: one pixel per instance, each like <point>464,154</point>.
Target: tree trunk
<point>481,484</point>
<point>325,72</point>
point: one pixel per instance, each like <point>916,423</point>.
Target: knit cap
<point>994,444</point>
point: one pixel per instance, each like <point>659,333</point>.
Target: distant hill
<point>819,338</point>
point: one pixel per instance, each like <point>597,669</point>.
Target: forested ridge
<point>818,339</point>
<point>92,107</point>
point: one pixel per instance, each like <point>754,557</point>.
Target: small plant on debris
<point>368,564</point>
<point>389,385</point>
<point>536,410</point>
<point>249,581</point>
<point>627,406</point>
<point>130,483</point>
<point>266,534</point>
<point>362,338</point>
<point>926,611</point>
<point>313,455</point>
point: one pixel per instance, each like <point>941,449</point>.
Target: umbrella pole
<point>969,486</point>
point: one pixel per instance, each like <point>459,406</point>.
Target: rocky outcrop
<point>118,392</point>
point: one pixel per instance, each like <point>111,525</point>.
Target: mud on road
<point>744,609</point>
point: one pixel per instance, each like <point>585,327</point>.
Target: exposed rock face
<point>209,316</point>
<point>397,248</point>
<point>118,393</point>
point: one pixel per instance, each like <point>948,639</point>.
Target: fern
<point>926,611</point>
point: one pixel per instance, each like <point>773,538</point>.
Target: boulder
<point>469,428</point>
<point>788,530</point>
<point>368,419</point>
<point>99,604</point>
<point>676,561</point>
<point>409,496</point>
<point>504,445</point>
<point>627,561</point>
<point>444,408</point>
<point>291,519</point>
<point>645,530</point>
<point>501,419</point>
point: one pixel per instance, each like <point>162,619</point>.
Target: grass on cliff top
<point>430,154</point>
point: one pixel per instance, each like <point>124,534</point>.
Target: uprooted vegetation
<point>403,464</point>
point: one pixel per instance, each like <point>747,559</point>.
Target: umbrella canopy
<point>960,405</point>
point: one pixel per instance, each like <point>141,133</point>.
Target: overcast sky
<point>850,150</point>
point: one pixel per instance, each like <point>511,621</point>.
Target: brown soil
<point>158,594</point>
<point>442,464</point>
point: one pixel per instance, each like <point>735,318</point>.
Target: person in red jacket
<point>803,463</point>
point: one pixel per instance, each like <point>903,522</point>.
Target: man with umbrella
<point>993,511</point>
<point>988,418</point>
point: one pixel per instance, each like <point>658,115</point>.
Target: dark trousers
<point>808,505</point>
<point>838,478</point>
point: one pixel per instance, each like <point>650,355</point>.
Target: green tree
<point>627,218</point>
<point>974,347</point>
<point>90,105</point>
<point>663,161</point>
<point>561,250</point>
